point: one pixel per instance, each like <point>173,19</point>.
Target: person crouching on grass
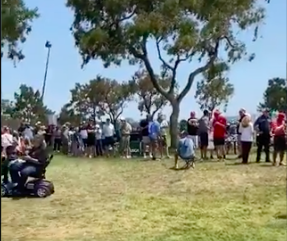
<point>246,137</point>
<point>185,150</point>
<point>278,130</point>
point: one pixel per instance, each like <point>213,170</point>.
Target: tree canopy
<point>214,90</point>
<point>27,105</point>
<point>99,97</point>
<point>275,96</point>
<point>117,30</point>
<point>16,21</point>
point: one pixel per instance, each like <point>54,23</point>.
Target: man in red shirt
<point>278,129</point>
<point>219,132</point>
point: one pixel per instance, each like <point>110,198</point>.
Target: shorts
<point>203,138</point>
<point>91,142</point>
<point>109,141</point>
<point>280,143</point>
<point>85,142</point>
<point>146,139</point>
<point>219,141</point>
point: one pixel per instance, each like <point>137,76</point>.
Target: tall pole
<point>48,45</point>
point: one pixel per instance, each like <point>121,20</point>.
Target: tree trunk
<point>173,128</point>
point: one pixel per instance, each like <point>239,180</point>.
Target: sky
<point>249,78</point>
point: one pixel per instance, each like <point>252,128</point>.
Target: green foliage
<point>16,21</point>
<point>116,30</point>
<point>99,97</point>
<point>67,114</point>
<point>214,90</point>
<point>150,100</point>
<point>29,106</point>
<point>275,95</point>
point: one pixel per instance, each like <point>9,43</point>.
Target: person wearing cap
<point>262,126</point>
<point>126,130</point>
<point>278,129</point>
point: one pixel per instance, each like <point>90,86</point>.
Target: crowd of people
<point>209,133</point>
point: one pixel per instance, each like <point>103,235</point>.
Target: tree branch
<point>213,53</point>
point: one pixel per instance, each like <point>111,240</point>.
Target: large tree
<point>100,96</point>
<point>214,90</point>
<point>183,31</point>
<point>29,106</point>
<point>16,19</point>
<point>275,95</point>
<point>150,100</point>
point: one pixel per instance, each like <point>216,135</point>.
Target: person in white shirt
<point>164,126</point>
<point>109,132</point>
<point>6,138</point>
<point>99,142</point>
<point>246,136</point>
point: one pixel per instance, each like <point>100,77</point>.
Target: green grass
<point>113,200</point>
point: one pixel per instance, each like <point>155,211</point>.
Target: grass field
<point>113,200</point>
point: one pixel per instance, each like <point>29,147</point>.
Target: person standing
<point>146,147</point>
<point>163,147</point>
<point>91,139</point>
<point>246,137</point>
<point>99,141</point>
<point>219,132</point>
<point>126,130</point>
<point>154,135</point>
<point>278,129</point>
<point>192,128</point>
<point>109,132</point>
<point>57,139</point>
<point>203,128</point>
<point>83,137</point>
<point>242,113</point>
<point>262,125</point>
<point>6,138</point>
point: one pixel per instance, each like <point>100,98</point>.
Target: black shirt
<point>192,130</point>
<point>263,123</point>
<point>144,124</point>
<point>91,132</point>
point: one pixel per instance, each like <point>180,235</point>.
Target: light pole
<point>48,45</point>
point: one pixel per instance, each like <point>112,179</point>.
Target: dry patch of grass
<point>113,200</point>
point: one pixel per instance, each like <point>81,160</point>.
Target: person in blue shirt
<point>154,134</point>
<point>185,151</point>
